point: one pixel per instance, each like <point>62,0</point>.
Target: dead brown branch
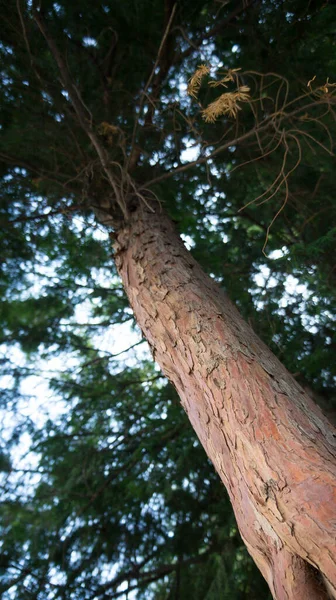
<point>281,128</point>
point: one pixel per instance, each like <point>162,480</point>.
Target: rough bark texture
<point>272,447</point>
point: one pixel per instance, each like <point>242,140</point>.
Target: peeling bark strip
<point>272,447</point>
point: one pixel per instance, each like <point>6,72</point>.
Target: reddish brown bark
<point>271,445</point>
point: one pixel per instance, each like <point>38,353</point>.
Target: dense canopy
<point>106,491</point>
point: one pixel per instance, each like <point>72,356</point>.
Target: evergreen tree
<point>101,134</point>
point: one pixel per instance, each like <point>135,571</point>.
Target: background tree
<point>122,495</point>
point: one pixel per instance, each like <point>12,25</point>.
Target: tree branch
<point>135,153</point>
<point>83,113</point>
<point>244,5</point>
<point>268,122</point>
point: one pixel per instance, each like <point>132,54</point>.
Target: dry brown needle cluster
<point>108,130</point>
<point>227,103</point>
<point>196,80</point>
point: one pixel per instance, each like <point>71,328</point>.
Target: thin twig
<point>248,162</point>
<point>144,93</point>
<point>268,122</point>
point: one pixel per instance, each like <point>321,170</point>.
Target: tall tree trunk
<point>272,447</point>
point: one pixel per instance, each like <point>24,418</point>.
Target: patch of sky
<point>178,91</point>
<point>295,294</point>
<point>7,81</point>
<point>123,587</point>
<point>89,42</point>
<point>214,277</point>
<point>189,485</point>
<point>188,241</point>
<point>155,159</point>
<point>201,190</point>
<point>41,277</point>
<point>146,474</point>
<point>56,577</point>
<point>212,200</point>
<point>38,402</point>
<point>208,151</point>
<point>191,151</point>
<point>218,64</point>
<point>208,51</point>
<point>294,287</point>
<point>47,97</point>
<point>279,253</point>
<point>182,86</point>
<point>154,505</point>
<point>163,414</point>
<point>99,232</point>
<point>214,171</point>
<point>263,279</point>
<point>5,49</point>
<point>119,339</point>
<point>75,558</point>
<point>213,223</point>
